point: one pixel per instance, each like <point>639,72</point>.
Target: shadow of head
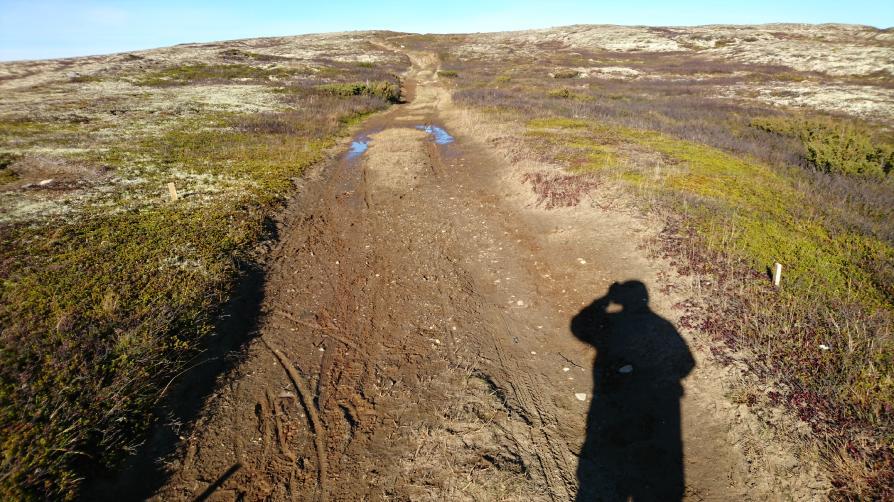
<point>631,295</point>
<point>623,300</point>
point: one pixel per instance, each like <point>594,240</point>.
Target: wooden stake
<point>173,191</point>
<point>777,274</point>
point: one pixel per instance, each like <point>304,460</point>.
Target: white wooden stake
<point>777,275</point>
<point>173,191</point>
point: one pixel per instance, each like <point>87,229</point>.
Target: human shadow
<point>633,448</point>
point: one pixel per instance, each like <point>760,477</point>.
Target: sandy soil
<point>429,333</point>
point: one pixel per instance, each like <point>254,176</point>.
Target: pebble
<point>580,396</point>
<point>566,369</point>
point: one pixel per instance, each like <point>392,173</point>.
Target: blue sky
<point>31,29</point>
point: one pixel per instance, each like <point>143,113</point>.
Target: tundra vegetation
<point>745,150</point>
<point>740,182</point>
<point>108,287</point>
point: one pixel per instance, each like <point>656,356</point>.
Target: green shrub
<point>239,54</point>
<point>836,145</point>
<point>386,90</point>
<point>565,74</point>
<point>562,93</point>
<point>7,158</point>
<point>6,175</point>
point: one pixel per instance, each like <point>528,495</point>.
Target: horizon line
<point>379,30</point>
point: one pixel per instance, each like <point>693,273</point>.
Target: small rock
<point>520,303</point>
<point>566,369</point>
<point>580,396</point>
<point>437,342</point>
<point>823,346</point>
<point>46,182</point>
<point>582,261</point>
<point>626,369</point>
<point>533,353</point>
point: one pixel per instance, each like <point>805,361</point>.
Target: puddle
<point>441,136</point>
<point>358,146</point>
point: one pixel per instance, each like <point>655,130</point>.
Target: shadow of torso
<point>633,449</point>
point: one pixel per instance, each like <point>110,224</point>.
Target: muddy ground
<point>428,332</point>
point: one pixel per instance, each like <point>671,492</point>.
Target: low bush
<point>7,159</point>
<point>388,91</point>
<point>836,146</point>
<point>565,74</point>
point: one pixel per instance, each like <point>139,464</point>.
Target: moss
<point>761,206</point>
<point>559,123</point>
<point>17,134</point>
<point>182,75</point>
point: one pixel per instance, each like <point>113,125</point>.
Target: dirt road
<point>447,339</point>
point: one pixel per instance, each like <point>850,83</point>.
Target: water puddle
<point>358,146</point>
<point>441,136</point>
